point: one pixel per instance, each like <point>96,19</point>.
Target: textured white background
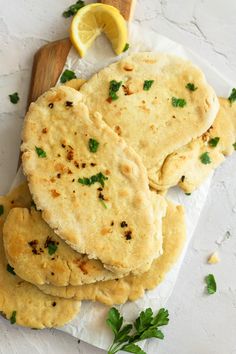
<point>200,324</point>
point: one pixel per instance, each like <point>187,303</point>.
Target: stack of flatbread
<point>92,222</point>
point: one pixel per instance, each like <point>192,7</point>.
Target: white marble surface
<point>200,324</point>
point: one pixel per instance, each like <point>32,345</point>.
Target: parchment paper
<point>89,325</point>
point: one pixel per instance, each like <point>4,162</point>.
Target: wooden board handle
<point>126,7</point>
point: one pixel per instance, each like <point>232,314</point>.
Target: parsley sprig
<point>113,88</point>
<point>145,327</point>
<point>73,9</point>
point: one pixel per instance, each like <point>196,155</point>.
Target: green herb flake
<point>67,76</point>
<point>103,203</point>
<point>13,317</point>
<point>213,142</point>
<point>113,88</point>
<point>93,145</point>
<point>145,327</point>
<point>187,193</point>
<point>1,209</point>
<point>14,97</point>
<point>191,87</point>
<point>10,269</point>
<point>73,9</point>
<point>147,84</point>
<point>205,158</point>
<point>211,284</point>
<point>52,247</point>
<point>126,47</point>
<point>178,102</point>
<point>234,145</point>
<point>232,97</point>
<point>40,152</point>
<point>88,181</point>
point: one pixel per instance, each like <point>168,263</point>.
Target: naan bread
<point>20,301</point>
<point>184,166</point>
<point>84,195</point>
<point>147,119</point>
<point>133,287</point>
<point>40,257</point>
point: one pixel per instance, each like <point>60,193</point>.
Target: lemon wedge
<point>94,19</point>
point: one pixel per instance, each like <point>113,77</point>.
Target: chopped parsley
<point>13,317</point>
<point>187,193</point>
<point>178,102</point>
<point>1,209</point>
<point>103,203</point>
<point>67,76</point>
<point>88,181</point>
<point>147,84</point>
<point>14,97</point>
<point>73,9</point>
<point>191,87</point>
<point>214,141</point>
<point>234,145</point>
<point>232,97</point>
<point>126,47</point>
<point>145,326</point>
<point>211,284</point>
<point>52,247</point>
<point>113,88</point>
<point>10,269</point>
<point>40,152</point>
<point>93,145</point>
<point>205,158</point>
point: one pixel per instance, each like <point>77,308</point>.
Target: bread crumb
<point>213,258</point>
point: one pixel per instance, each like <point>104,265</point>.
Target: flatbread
<point>40,257</point>
<point>62,177</point>
<point>21,300</point>
<point>147,120</point>
<point>133,287</point>
<point>184,167</point>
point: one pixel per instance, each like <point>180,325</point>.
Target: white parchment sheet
<point>90,325</point>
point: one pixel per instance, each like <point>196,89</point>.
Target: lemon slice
<point>94,19</point>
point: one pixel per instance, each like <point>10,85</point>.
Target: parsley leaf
<point>14,97</point>
<point>211,284</point>
<point>40,152</point>
<point>147,84</point>
<point>10,269</point>
<point>1,210</point>
<point>88,181</point>
<point>73,9</point>
<point>67,76</point>
<point>126,47</point>
<point>145,326</point>
<point>178,102</point>
<point>191,87</point>
<point>205,158</point>
<point>113,88</point>
<point>232,96</point>
<point>133,348</point>
<point>214,141</point>
<point>103,203</point>
<point>234,145</point>
<point>13,317</point>
<point>52,247</point>
<point>93,145</point>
